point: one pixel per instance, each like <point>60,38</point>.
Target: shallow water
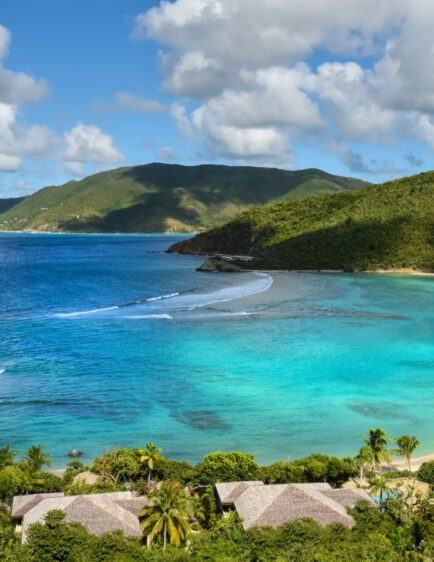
<point>107,340</point>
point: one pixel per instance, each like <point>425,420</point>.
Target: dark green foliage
<point>316,468</point>
<point>164,197</point>
<point>7,456</point>
<point>12,483</point>
<point>386,226</point>
<point>227,467</point>
<point>47,482</point>
<point>426,472</point>
<point>281,472</point>
<point>166,469</point>
<point>56,540</point>
<point>119,466</point>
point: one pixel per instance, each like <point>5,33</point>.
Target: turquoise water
<point>279,365</point>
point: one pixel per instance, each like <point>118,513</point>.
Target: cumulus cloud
<point>9,163</point>
<point>17,87</point>
<point>87,143</point>
<point>125,101</point>
<point>75,168</point>
<point>17,142</point>
<point>5,40</point>
<point>244,61</point>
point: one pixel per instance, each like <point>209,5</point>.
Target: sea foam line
<point>147,316</point>
<point>251,289</point>
<point>94,311</point>
<point>68,314</point>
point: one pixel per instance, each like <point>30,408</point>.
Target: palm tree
<point>407,445</point>
<point>377,443</point>
<point>30,477</point>
<point>36,459</point>
<point>7,456</point>
<point>380,485</point>
<point>167,514</point>
<point>149,456</point>
<point>364,458</point>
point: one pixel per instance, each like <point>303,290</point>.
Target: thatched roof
<point>261,505</point>
<point>349,498</point>
<point>100,513</point>
<point>228,492</point>
<point>22,504</point>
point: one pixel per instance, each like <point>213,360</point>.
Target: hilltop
<point>164,198</point>
<point>385,226</point>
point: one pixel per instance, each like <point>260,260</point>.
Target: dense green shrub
<point>227,467</point>
<point>12,482</point>
<point>166,469</point>
<point>119,466</point>
<point>426,472</point>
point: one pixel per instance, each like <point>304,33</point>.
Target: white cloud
<point>17,141</point>
<point>211,38</point>
<point>75,168</point>
<point>9,163</point>
<point>87,143</point>
<point>17,87</point>
<point>347,91</point>
<point>179,113</point>
<point>125,101</point>
<point>244,61</point>
<point>5,40</point>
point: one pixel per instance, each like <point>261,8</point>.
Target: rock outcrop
<point>218,263</point>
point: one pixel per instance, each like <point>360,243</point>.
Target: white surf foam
<point>2,371</point>
<point>187,300</point>
<point>147,316</point>
<point>263,283</point>
<point>159,298</point>
<point>83,312</point>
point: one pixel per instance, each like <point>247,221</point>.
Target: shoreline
<point>400,464</point>
<point>415,462</point>
<point>397,271</point>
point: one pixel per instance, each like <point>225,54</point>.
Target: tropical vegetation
<point>387,226</point>
<point>182,522</point>
<point>162,198</point>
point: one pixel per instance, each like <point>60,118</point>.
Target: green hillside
<point>6,204</point>
<point>385,226</point>
<point>164,198</point>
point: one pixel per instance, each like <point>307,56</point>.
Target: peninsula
<point>382,227</point>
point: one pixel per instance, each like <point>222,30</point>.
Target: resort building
<point>100,513</point>
<point>260,505</point>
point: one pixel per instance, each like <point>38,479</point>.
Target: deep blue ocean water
<point>279,365</point>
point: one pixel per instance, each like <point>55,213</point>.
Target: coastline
<point>397,271</point>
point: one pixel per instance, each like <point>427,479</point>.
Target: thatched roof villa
<point>100,513</point>
<point>260,505</point>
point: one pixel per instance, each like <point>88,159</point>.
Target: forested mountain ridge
<point>164,198</point>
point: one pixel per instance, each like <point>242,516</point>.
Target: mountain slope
<point>383,226</point>
<point>6,204</point>
<point>164,197</point>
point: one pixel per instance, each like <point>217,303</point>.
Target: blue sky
<point>87,86</point>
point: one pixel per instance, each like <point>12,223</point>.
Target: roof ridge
<point>319,496</point>
<point>272,500</point>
